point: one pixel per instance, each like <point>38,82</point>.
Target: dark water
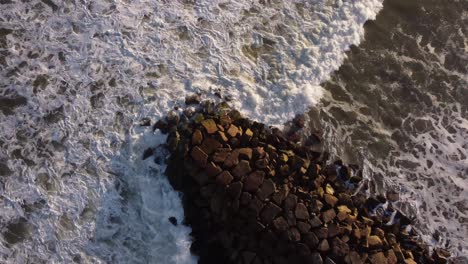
<point>399,106</point>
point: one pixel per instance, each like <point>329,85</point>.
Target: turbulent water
<point>76,77</point>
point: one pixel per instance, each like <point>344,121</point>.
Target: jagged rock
<point>378,258</point>
<point>254,180</point>
<point>212,170</point>
<point>324,246</point>
<point>233,131</point>
<point>290,202</point>
<point>301,212</point>
<point>242,169</point>
<point>235,189</point>
<point>280,224</point>
<point>209,125</point>
<point>315,222</point>
<point>316,258</point>
<point>268,188</point>
<point>303,227</point>
<point>353,258</point>
<point>192,99</point>
<point>224,178</point>
<point>232,159</point>
<point>199,156</point>
<point>221,154</point>
<point>269,212</point>
<point>374,241</point>
<point>245,153</point>
<point>209,145</point>
<point>330,199</point>
<point>328,215</point>
<point>197,137</point>
<point>311,240</point>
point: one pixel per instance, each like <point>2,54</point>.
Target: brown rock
<point>330,199</point>
<point>253,181</point>
<point>301,212</point>
<point>224,178</point>
<point>294,235</point>
<point>333,230</point>
<point>232,159</point>
<point>235,189</point>
<point>256,205</point>
<point>212,170</point>
<point>261,163</point>
<point>280,224</point>
<point>225,120</point>
<point>233,131</point>
<point>245,198</point>
<point>209,125</point>
<point>302,249</point>
<point>248,134</point>
<point>321,232</point>
<point>340,248</point>
<point>245,153</point>
<point>290,202</point>
<point>222,136</point>
<point>324,246</point>
<point>269,213</point>
<point>311,240</point>
<point>328,215</point>
<point>217,202</point>
<point>378,258</point>
<point>242,169</point>
<point>209,145</point>
<point>329,261</point>
<point>197,137</point>
<point>316,258</point>
<point>199,156</point>
<point>315,222</point>
<point>192,99</point>
<point>303,227</point>
<point>391,257</point>
<point>353,258</point>
<point>267,189</point>
<point>221,154</point>
<point>208,191</point>
<point>374,241</point>
<point>290,218</point>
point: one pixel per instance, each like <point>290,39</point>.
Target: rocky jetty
<point>253,195</point>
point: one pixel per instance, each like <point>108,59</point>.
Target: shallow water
<point>77,76</point>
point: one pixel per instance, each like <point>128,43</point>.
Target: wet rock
<point>192,99</point>
<point>209,145</point>
<point>209,125</point>
<point>173,220</point>
<point>145,122</point>
<point>148,153</point>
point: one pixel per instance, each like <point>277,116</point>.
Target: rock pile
<point>252,196</point>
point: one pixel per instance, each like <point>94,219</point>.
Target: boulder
<point>301,212</point>
<point>270,211</point>
<point>199,156</point>
<point>328,215</point>
<point>242,169</point>
<point>197,137</point>
<point>253,181</point>
<point>224,178</point>
<point>209,125</point>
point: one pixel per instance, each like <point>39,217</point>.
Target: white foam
<point>157,52</point>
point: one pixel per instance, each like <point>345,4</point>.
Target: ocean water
<point>76,78</point>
